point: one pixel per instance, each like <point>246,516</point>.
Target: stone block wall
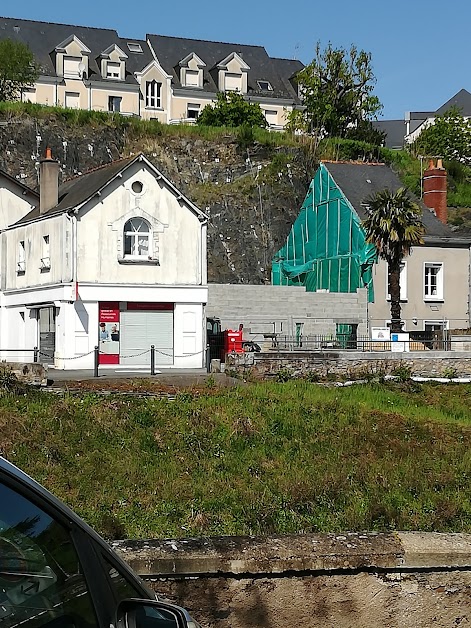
<point>353,364</point>
<point>264,309</point>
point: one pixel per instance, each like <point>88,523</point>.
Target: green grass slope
<point>264,458</point>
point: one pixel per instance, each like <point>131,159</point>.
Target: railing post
<point>96,356</point>
<point>152,359</point>
<point>35,354</point>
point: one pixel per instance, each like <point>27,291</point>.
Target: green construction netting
<point>326,248</point>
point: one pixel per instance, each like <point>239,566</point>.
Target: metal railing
<point>418,341</point>
<point>15,354</point>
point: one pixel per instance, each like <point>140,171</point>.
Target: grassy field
<point>270,457</point>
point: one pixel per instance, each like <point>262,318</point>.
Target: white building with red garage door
<point>115,257</point>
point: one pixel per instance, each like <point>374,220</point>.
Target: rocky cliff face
<point>251,195</point>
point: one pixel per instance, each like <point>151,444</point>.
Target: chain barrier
<point>171,355</point>
<point>75,357</point>
<point>135,355</point>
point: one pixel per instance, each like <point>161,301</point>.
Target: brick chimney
<point>48,182</point>
<point>435,189</point>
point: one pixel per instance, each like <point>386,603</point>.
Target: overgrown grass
<point>286,457</point>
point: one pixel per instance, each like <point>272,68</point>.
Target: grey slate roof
<point>74,192</point>
<point>43,37</point>
<point>24,187</point>
<point>395,131</point>
<point>171,50</point>
<point>360,181</point>
<point>79,189</point>
<point>461,100</point>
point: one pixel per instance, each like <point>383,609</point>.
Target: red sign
<point>149,306</point>
<point>109,312</point>
<point>108,332</point>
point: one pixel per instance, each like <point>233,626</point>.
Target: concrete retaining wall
<point>315,580</point>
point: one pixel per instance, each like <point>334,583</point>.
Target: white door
<point>139,329</point>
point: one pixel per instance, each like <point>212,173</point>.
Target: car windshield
<point>41,583</point>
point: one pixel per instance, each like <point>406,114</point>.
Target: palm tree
<point>393,225</point>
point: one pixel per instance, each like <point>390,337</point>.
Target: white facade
<point>131,256</point>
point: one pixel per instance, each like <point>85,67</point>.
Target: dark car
<point>56,572</point>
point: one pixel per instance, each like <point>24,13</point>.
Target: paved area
<point>116,379</point>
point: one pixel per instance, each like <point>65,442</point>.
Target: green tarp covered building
<point>326,248</point>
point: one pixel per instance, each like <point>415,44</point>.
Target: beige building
<point>170,79</point>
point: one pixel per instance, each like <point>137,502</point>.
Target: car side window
<point>41,581</point>
<point>122,588</point>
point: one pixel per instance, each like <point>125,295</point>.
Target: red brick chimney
<point>48,182</point>
<point>435,190</point>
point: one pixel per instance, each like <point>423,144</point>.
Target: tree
<point>336,90</point>
<point>18,69</point>
<point>231,109</point>
<point>393,225</point>
<point>449,136</point>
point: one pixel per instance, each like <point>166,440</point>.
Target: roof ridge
<point>207,41</point>
<point>22,19</point>
<point>101,167</point>
<point>354,162</point>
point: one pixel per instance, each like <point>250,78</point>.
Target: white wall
<point>100,234</point>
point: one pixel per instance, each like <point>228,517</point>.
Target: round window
<point>137,187</point>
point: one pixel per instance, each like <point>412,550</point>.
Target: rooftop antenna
<point>296,50</point>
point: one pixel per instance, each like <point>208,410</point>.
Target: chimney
<point>435,190</point>
<point>48,182</point>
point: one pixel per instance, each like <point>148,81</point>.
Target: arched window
<point>137,238</point>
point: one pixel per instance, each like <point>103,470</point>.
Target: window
<point>134,47</point>
<point>402,283</point>
<point>271,116</point>
<point>137,238</point>
<point>40,573</point>
<point>45,259</point>
<point>193,111</point>
<point>232,82</point>
<point>72,100</point>
<point>153,90</point>
<point>192,78</point>
<point>433,281</point>
<point>114,103</point>
<point>72,67</point>
<point>21,264</point>
<point>264,86</point>
<point>113,70</point>
<point>137,187</point>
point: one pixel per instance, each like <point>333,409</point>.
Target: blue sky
<point>420,49</point>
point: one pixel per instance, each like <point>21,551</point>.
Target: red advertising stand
<point>108,333</point>
<point>233,341</point>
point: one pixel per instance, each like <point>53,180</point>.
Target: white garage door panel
<point>141,329</point>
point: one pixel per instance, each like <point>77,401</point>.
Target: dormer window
<point>113,70</point>
<point>232,82</point>
<point>72,58</point>
<point>232,74</point>
<point>72,67</point>
<point>265,86</point>
<point>192,78</point>
<point>191,71</point>
<point>113,63</point>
